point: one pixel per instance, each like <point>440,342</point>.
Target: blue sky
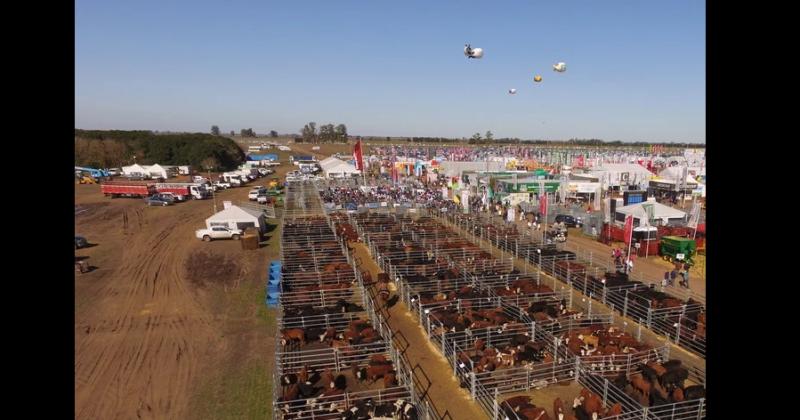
<point>636,69</point>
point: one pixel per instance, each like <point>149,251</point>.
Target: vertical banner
<point>694,217</point>
<point>465,200</point>
<point>628,229</point>
<point>542,200</point>
<point>358,156</point>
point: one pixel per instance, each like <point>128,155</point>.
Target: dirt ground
<point>168,326</point>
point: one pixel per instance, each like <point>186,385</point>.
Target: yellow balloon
<point>537,78</point>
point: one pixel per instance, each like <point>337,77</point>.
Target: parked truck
<point>116,189</point>
<point>233,178</point>
<point>183,190</point>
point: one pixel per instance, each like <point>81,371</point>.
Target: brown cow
<point>479,345</point>
<point>641,384</point>
<point>293,334</point>
<point>390,380</point>
<point>592,404</point>
<point>677,395</point>
<point>660,370</point>
<point>615,410</point>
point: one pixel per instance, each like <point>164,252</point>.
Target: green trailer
<point>676,248</point>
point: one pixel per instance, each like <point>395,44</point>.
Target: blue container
<point>274,281</point>
<point>274,288</point>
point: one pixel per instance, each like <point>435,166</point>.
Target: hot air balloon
<point>473,52</point>
<point>560,67</point>
<point>537,78</point>
<point>512,91</point>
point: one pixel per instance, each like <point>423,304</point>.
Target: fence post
<point>700,408</point>
<point>678,330</point>
<point>605,390</point>
<point>639,330</point>
<point>336,357</point>
<point>577,367</point>
<point>590,258</point>
<point>649,317</point>
<point>472,378</point>
<point>455,359</point>
<point>444,341</point>
<point>625,306</point>
<point>590,304</point>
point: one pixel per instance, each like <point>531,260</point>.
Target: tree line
<point>245,132</point>
<point>328,133</point>
<point>115,148</point>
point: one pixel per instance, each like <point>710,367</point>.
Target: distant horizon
<point>265,134</point>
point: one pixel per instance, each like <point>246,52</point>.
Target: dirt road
<point>444,391</point>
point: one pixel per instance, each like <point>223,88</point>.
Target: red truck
<point>183,190</point>
<point>116,189</point>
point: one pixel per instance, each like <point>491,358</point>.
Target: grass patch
<point>243,392</point>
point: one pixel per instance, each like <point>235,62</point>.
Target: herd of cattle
<point>509,331</point>
<point>465,291</point>
<point>332,361</point>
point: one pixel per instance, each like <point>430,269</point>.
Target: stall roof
<point>660,211</point>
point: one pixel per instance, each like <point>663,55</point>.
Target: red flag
<point>628,229</point>
<point>357,155</point>
<point>543,203</point>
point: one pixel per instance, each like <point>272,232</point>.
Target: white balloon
<point>560,67</point>
<point>470,52</point>
<point>512,91</point>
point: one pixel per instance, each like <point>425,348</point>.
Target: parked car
<point>80,242</point>
<point>222,185</point>
<point>218,232</point>
<point>263,198</point>
<point>569,221</point>
<point>254,193</point>
<point>157,200</point>
<point>172,198</point>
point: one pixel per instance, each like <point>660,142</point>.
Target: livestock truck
<point>183,190</point>
<point>116,189</point>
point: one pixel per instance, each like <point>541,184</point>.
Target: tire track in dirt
<point>145,365</point>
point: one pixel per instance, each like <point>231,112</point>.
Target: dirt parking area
<point>168,326</point>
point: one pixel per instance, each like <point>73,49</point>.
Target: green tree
<point>489,135</point>
<point>273,133</point>
<point>233,133</point>
<point>341,133</point>
<point>476,137</point>
<point>214,130</point>
<point>326,133</point>
<point>309,132</point>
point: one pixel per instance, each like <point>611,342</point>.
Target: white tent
<point>134,169</point>
<point>236,217</point>
<point>616,174</point>
<point>333,167</point>
<point>676,172</point>
<point>157,170</point>
<point>664,214</point>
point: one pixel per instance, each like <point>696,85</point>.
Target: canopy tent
<point>157,171</point>
<point>135,169</point>
<point>333,167</point>
<point>661,213</point>
<point>676,172</point>
<point>236,217</point>
<point>618,174</point>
